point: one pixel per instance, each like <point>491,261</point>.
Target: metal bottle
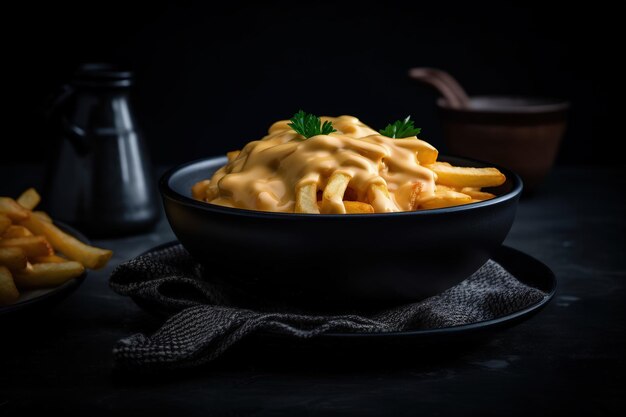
<point>100,179</point>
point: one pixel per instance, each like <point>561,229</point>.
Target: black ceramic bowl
<point>324,259</point>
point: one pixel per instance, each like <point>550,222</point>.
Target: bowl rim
<point>549,105</point>
<point>169,192</point>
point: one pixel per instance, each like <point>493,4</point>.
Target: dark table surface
<point>568,359</point>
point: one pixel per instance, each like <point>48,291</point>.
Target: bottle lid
<point>102,75</point>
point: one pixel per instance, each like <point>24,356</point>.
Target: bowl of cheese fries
<point>327,209</point>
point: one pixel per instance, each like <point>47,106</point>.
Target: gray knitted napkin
<point>202,323</point>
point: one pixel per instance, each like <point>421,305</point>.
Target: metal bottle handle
<point>73,133</point>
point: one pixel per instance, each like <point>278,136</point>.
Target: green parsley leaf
<point>401,129</point>
<point>309,125</point>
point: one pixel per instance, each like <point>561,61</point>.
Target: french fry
<point>16,231</point>
<point>425,152</point>
<point>474,192</point>
<point>29,199</point>
<point>198,191</point>
<point>42,215</point>
<point>446,198</point>
<point>477,194</point>
<point>46,275</point>
<point>358,207</point>
<point>266,201</point>
<point>8,292</point>
<point>31,245</point>
<point>13,258</point>
<point>306,198</point>
<point>460,177</point>
<point>90,256</point>
<point>332,197</point>
<point>441,187</point>
<point>12,210</point>
<point>378,195</point>
<point>5,223</point>
<point>50,259</point>
<point>377,188</point>
<point>416,190</point>
<point>232,155</point>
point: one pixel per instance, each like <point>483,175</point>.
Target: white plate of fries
<point>40,260</point>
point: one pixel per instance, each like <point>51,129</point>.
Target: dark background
<point>211,79</point>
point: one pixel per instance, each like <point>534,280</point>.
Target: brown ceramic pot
<point>520,133</point>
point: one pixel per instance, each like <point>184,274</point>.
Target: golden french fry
<point>477,194</point>
<point>460,177</point>
<point>8,292</point>
<point>29,199</point>
<point>5,223</point>
<point>446,198</point>
<point>279,125</point>
<point>90,256</point>
<point>266,201</point>
<point>306,198</point>
<point>12,210</point>
<point>50,259</point>
<point>416,190</point>
<point>31,245</point>
<point>357,207</point>
<point>332,197</point>
<point>42,215</point>
<point>441,187</point>
<point>232,155</point>
<point>199,189</point>
<point>425,152</point>
<point>16,230</point>
<point>13,258</point>
<point>47,274</point>
<point>379,198</point>
<point>377,188</point>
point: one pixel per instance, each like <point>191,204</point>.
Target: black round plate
<point>524,267</point>
<point>37,299</point>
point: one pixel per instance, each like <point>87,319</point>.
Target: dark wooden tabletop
<point>568,359</point>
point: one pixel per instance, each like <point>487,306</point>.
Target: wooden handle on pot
<point>443,82</point>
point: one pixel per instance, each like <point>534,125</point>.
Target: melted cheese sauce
<point>265,174</point>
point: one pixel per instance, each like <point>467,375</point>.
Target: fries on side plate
<point>34,253</point>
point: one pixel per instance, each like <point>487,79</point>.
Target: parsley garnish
<point>309,125</point>
<point>401,129</point>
